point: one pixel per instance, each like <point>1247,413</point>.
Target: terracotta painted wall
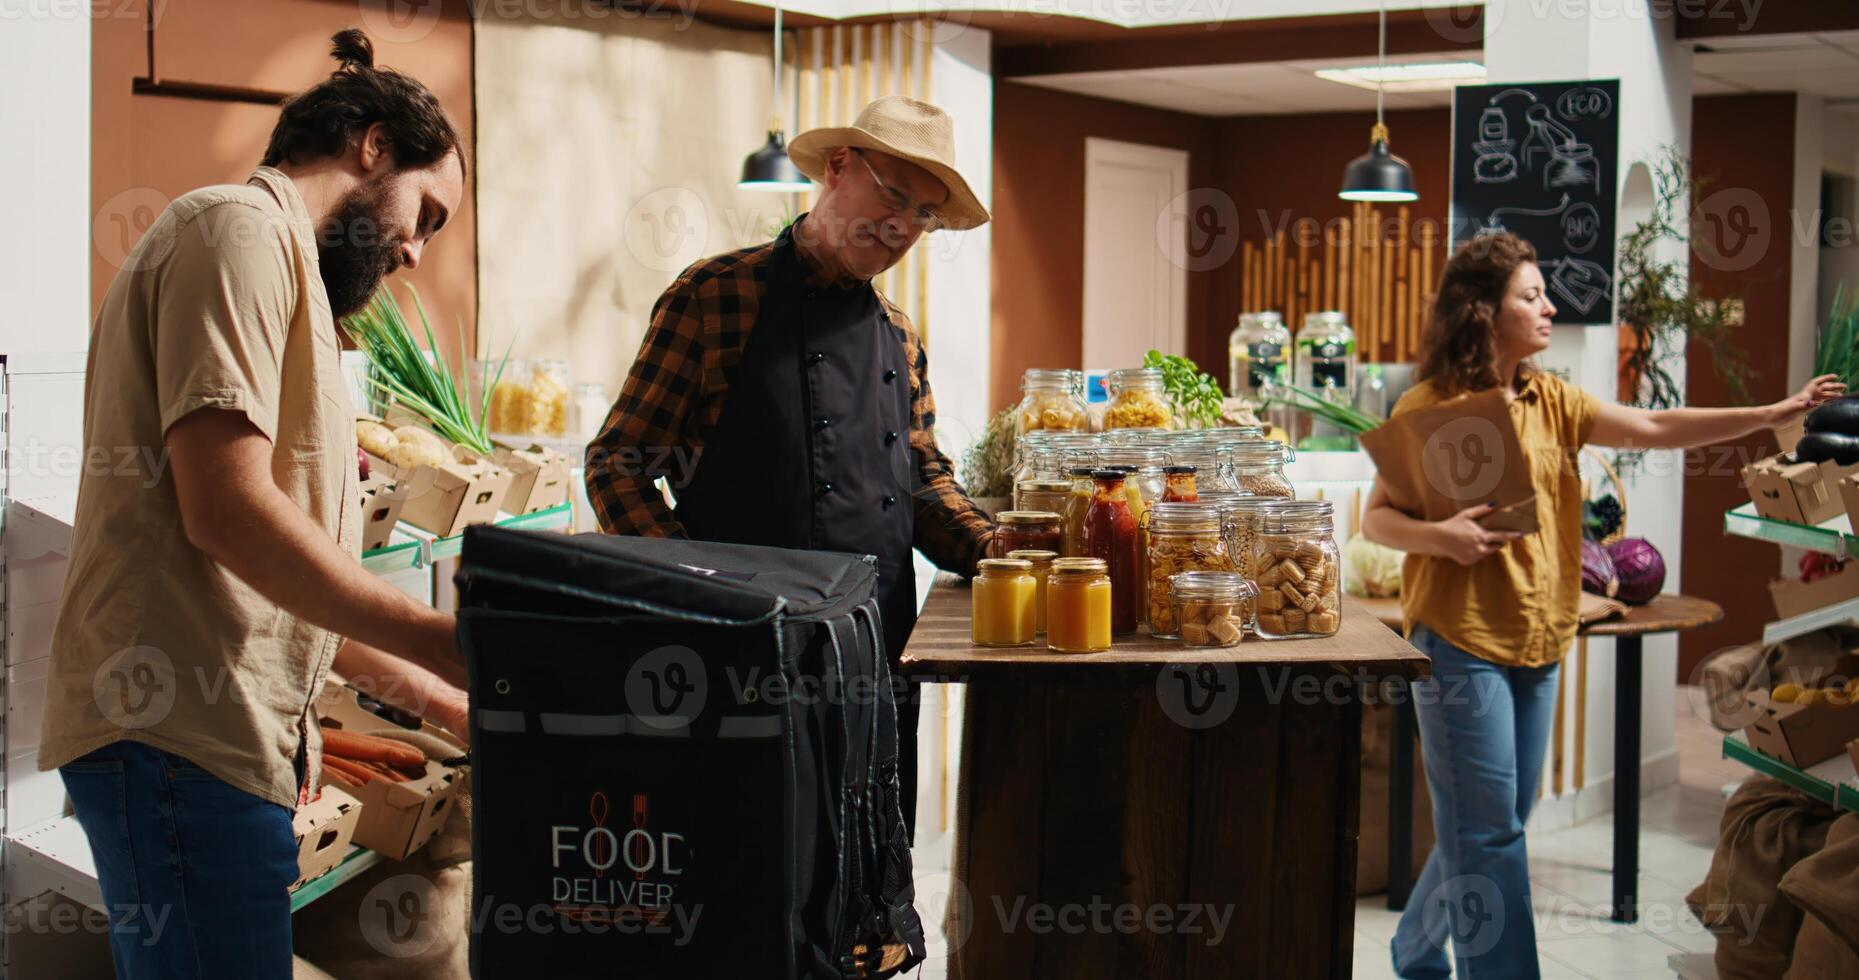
<point>146,149</point>
<point>1277,169</point>
<point>1737,141</point>
<point>1038,223</point>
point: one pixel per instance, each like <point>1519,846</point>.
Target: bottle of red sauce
<point>1180,488</point>
<point>1110,533</point>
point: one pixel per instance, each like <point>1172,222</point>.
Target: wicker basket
<point>1620,491</point>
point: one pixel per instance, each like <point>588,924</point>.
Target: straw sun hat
<point>908,130</point>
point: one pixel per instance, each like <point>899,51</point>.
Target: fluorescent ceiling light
<point>1429,76</point>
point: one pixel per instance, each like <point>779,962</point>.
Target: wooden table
<point>1668,613</point>
<point>1106,798</point>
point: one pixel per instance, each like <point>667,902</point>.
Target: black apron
<point>812,449</point>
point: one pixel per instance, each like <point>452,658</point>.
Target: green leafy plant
<point>1337,414</point>
<point>1662,305</point>
<point>987,466</point>
<point>1198,398</point>
<point>419,381</point>
<point>1836,350</point>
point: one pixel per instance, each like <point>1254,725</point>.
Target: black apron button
<point>890,437</point>
<point>890,501</point>
<point>823,489</point>
<point>822,423</point>
<point>817,356</point>
<point>889,376</point>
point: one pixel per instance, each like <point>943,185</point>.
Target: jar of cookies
<point>1051,402</point>
<point>1247,513</point>
<point>1138,400</point>
<point>1183,537</point>
<point>1213,608</point>
<point>1299,571</point>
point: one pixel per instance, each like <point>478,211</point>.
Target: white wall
<point>45,165</point>
<point>960,265</point>
<point>1551,42</point>
<point>1804,310</point>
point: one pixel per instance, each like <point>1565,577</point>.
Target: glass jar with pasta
<point>1050,402</point>
<point>549,386</point>
<point>1183,537</point>
<point>1300,571</point>
<point>1138,400</point>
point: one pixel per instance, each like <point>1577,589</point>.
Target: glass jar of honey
<point>1025,530</point>
<point>1078,606</point>
<point>1042,572</point>
<point>1003,595</point>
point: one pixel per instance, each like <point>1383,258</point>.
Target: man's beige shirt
<point>220,306</point>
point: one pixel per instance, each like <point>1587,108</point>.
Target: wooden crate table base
<point>1156,811</point>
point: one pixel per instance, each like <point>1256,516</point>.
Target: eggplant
<point>1818,447</point>
<point>1840,415</point>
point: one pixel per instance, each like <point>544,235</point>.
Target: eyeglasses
<point>922,216</point>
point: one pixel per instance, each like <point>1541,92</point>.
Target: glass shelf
<point>1834,536</point>
<point>410,547</point>
<point>358,860</point>
<point>1831,782</point>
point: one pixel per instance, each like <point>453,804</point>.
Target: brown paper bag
<point>1439,460</point>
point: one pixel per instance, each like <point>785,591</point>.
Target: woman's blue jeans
<point>1483,730</point>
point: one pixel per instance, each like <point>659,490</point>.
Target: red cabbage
<point>1641,569</point>
<point>1597,570</point>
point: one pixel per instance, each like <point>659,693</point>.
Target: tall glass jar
<point>1259,468</point>
<point>1045,454</point>
<point>1144,464</point>
<point>1215,609</point>
<point>1077,504</point>
<point>1042,572</point>
<point>1300,571</point>
<point>509,413</point>
<point>1184,537</point>
<point>549,386</point>
<point>1002,603</point>
<point>1110,533</point>
<point>1138,400</point>
<point>1257,354</point>
<point>1326,356</point>
<point>1051,402</point>
<point>1227,502</point>
<point>1248,511</point>
<point>1042,495</point>
<point>591,407</point>
<point>1078,599</point>
<point>1022,530</point>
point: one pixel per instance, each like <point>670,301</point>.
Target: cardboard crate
<point>538,478</point>
<point>1803,493</point>
<point>1852,752</point>
<point>443,500</point>
<point>381,503</point>
<point>324,828</point>
<point>1801,735</point>
<point>1794,597</point>
<point>397,819</point>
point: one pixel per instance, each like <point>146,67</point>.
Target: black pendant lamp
<point>1379,175</point>
<point>769,169</point>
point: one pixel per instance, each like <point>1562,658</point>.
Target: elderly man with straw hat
<point>787,402</point>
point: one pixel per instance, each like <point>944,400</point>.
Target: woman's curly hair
<point>325,120</point>
<point>1458,352</point>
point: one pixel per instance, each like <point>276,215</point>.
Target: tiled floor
<point>1570,881</point>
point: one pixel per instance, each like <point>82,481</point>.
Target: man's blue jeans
<point>196,874</point>
<point>1483,730</point>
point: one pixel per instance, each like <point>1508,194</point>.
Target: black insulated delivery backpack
<point>684,762</point>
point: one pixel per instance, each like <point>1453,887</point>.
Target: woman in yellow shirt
<point>1496,610</point>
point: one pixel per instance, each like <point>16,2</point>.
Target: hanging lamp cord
<point>1381,73</point>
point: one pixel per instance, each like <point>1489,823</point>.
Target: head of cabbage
<point>1373,570</point>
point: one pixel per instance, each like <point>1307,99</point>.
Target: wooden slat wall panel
<point>1375,267</point>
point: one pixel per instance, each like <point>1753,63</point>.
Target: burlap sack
<point>1826,885</point>
<point>1767,827</point>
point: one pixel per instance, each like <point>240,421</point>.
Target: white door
<point>1135,269</point>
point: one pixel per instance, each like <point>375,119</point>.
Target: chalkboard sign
<point>1539,160</point>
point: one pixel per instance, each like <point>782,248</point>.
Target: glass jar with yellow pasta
<point>1051,402</point>
<point>1183,537</point>
<point>1138,400</point>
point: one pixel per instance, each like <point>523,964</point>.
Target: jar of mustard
<point>1078,606</point>
<point>1003,595</point>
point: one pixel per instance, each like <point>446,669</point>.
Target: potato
<point>417,447</point>
<point>377,439</point>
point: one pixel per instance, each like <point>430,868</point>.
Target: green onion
<point>424,384</point>
<point>1342,416</point>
